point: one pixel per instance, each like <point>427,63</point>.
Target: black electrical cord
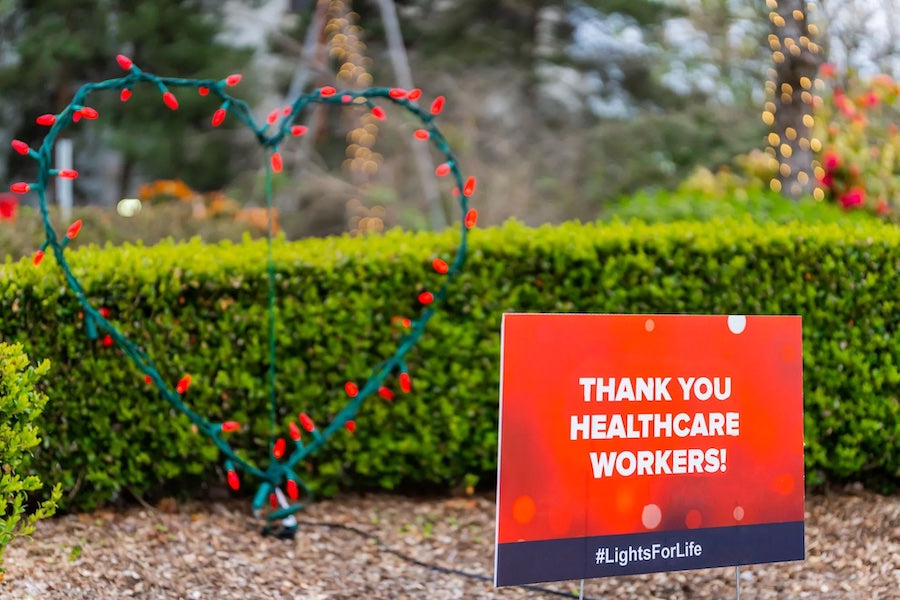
<point>446,570</point>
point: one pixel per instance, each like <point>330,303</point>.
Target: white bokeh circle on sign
<point>737,323</point>
<point>651,516</point>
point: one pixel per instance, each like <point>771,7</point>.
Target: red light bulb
<point>148,379</point>
<point>378,113</point>
<point>183,384</point>
<point>38,257</point>
<point>278,448</point>
<point>89,113</point>
<point>471,218</point>
<point>170,100</point>
<point>124,62</point>
<point>292,491</point>
<point>398,93</point>
<point>442,169</point>
<point>469,187</point>
<point>346,98</point>
<point>20,147</point>
<point>405,383</point>
<point>421,134</point>
<point>20,187</point>
<point>46,120</point>
<point>277,163</point>
<point>104,312</point>
<point>273,500</point>
<point>273,116</point>
<point>440,266</point>
<point>203,90</point>
<point>218,117</point>
<point>125,95</point>
<point>306,422</point>
<point>351,426</point>
<point>233,481</point>
<point>74,229</point>
<point>414,94</point>
<point>351,389</point>
<point>228,426</point>
<point>385,393</point>
<point>298,129</point>
<point>438,105</point>
<point>294,431</point>
<point>67,173</point>
<point>233,79</point>
<point>426,297</point>
<point>107,341</point>
<point>327,91</point>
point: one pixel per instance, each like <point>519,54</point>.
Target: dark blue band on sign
<point>610,555</point>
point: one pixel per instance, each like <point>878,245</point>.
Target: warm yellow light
<point>784,169</point>
<point>769,106</point>
<point>803,177</point>
<point>819,194</point>
<point>815,144</point>
<point>797,14</point>
<point>775,185</point>
<point>806,97</point>
<point>805,82</point>
<point>778,57</point>
<point>785,150</point>
<point>128,207</point>
<point>786,88</point>
<point>808,120</point>
<point>790,133</point>
<point>773,139</point>
<point>768,117</point>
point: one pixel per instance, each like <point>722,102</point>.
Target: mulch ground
<point>379,546</point>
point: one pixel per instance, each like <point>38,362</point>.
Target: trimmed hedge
<point>201,309</point>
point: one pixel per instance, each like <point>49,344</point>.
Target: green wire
<point>278,471</point>
<point>272,355</point>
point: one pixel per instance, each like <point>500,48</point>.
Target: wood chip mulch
<point>197,551</point>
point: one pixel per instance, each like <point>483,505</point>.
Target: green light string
<point>273,425</point>
<point>279,125</point>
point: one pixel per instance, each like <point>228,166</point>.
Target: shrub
<point>21,404</point>
<point>201,309</point>
<point>860,143</point>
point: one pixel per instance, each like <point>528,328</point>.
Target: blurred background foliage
<point>564,109</point>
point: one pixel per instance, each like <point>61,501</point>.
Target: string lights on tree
<point>279,484</point>
<point>790,97</point>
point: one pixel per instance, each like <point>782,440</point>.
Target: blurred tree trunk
<point>796,59</point>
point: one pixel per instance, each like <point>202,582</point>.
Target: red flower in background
<point>9,205</point>
<point>827,71</point>
<point>869,99</point>
<point>831,161</point>
<point>853,197</point>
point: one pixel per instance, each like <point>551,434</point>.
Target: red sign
<point>643,443</point>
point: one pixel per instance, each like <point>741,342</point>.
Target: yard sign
<point>643,443</point>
